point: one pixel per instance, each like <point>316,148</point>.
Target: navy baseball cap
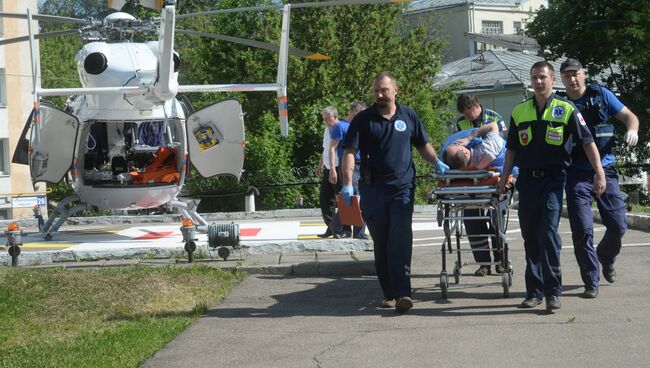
<point>570,64</point>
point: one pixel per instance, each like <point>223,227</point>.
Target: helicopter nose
<point>95,63</point>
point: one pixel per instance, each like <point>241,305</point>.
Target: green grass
<point>115,317</point>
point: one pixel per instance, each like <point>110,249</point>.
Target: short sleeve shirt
<point>487,116</point>
<point>338,133</point>
<point>612,105</point>
<point>385,145</point>
<point>537,153</point>
<point>326,150</point>
<point>483,154</point>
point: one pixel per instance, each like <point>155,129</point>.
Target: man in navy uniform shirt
<point>542,131</point>
<point>597,104</point>
<point>383,134</point>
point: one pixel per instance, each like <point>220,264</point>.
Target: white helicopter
<point>125,139</point>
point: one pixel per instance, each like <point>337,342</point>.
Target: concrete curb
<point>290,247</point>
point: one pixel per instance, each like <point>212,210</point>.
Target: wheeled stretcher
<point>459,190</point>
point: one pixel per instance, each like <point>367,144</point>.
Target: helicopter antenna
<point>35,121</point>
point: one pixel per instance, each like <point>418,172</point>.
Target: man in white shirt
<point>327,197</point>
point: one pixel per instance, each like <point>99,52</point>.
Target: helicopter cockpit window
<point>132,153</point>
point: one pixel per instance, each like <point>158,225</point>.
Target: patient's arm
<point>480,132</point>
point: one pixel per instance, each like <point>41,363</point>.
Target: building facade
<point>16,102</point>
<point>459,19</point>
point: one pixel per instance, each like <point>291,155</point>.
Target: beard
<point>382,103</point>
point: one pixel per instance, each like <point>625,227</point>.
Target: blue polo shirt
<point>338,132</point>
<point>385,145</point>
<point>611,106</point>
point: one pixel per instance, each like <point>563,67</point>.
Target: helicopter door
<point>216,139</point>
<point>51,158</point>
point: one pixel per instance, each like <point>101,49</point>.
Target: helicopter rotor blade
<point>293,6</point>
<point>151,4</point>
<point>7,41</point>
<point>258,44</point>
<point>44,18</point>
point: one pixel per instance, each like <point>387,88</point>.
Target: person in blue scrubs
<point>384,134</point>
<point>597,105</point>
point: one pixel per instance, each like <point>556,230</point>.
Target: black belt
<point>539,173</point>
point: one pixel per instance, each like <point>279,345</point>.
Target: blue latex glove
<point>441,167</point>
<point>347,191</point>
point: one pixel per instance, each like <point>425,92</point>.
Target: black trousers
<point>327,197</point>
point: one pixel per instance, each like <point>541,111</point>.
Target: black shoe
<point>609,273</point>
<point>403,304</point>
<point>530,303</point>
<point>326,234</point>
<point>590,293</point>
<point>553,303</point>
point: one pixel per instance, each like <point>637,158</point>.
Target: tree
<point>604,35</point>
<point>361,41</point>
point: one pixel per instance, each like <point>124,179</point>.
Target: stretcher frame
<point>458,190</point>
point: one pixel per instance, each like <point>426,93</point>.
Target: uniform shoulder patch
<point>558,112</point>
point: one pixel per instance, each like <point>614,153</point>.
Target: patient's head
<point>457,156</point>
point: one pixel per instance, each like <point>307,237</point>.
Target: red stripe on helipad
<point>155,235</point>
<point>250,231</point>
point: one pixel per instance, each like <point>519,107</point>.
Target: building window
<point>516,26</point>
<point>3,87</point>
<point>492,27</point>
<point>4,156</point>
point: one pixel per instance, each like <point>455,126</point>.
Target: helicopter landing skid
<point>62,214</point>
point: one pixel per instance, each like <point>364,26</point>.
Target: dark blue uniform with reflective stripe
<point>487,116</point>
<point>387,188</point>
<point>542,142</point>
<point>596,106</point>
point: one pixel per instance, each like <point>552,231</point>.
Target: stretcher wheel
<point>506,282</point>
<point>444,284</point>
<point>456,274</point>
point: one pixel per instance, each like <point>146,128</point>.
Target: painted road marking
<point>155,235</point>
<point>47,245</point>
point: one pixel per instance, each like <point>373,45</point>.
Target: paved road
<point>325,315</point>
<point>331,320</point>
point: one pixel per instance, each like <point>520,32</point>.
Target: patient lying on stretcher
<point>476,148</point>
<point>479,149</point>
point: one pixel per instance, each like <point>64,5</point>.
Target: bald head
<point>457,156</point>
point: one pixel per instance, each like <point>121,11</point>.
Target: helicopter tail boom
<point>166,87</point>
